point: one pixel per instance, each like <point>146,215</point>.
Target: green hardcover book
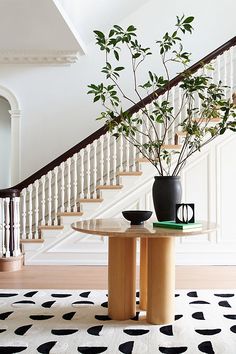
<point>177,226</point>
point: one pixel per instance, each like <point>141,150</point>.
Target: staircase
<point>98,177</point>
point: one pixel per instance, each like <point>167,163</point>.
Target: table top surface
<point>122,228</point>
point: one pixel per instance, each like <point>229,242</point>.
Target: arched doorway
<point>5,144</point>
<point>10,103</point>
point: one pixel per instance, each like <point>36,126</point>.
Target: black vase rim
<point>167,177</point>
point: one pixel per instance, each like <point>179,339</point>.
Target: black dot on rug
<point>63,332</point>
<point>48,304</point>
<point>105,304</point>
<point>136,332</point>
<point>230,317</point>
<point>24,302</point>
<point>60,295</point>
<point>102,317</point>
<point>198,316</point>
<point>206,347</point>
<point>41,317</point>
<point>2,330</point>
<point>126,347</point>
<point>192,294</point>
<point>20,331</point>
<point>30,293</point>
<point>177,317</point>
<point>224,295</point>
<point>46,347</point>
<point>224,304</point>
<point>85,302</point>
<point>199,302</point>
<point>8,295</point>
<point>233,329</point>
<point>11,349</point>
<point>91,350</point>
<point>136,317</point>
<point>5,315</point>
<point>85,294</point>
<point>95,330</point>
<point>208,332</point>
<point>167,330</point>
<point>172,350</point>
<point>68,316</point>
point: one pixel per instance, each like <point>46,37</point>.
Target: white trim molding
<point>55,57</point>
<point>15,115</point>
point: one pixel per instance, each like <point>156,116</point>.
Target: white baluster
<point>23,194</point>
<point>62,166</point>
<point>140,135</point>
<point>108,157</point>
<point>68,162</point>
<point>127,148</point>
<point>95,167</point>
<point>82,173</point>
<point>30,212</point>
<point>88,149</point>
<point>55,221</point>
<point>75,181</point>
<point>49,176</point>
<point>172,129</point>
<point>231,71</point>
<point>7,226</point>
<point>225,71</point>
<point>16,226</point>
<point>43,200</point>
<point>121,153</point>
<point>102,160</point>
<point>36,211</point>
<point>2,227</point>
<point>114,160</point>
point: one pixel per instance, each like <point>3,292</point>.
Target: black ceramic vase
<point>166,192</point>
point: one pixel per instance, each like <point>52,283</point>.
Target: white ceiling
<point>51,30</point>
<point>88,15</point>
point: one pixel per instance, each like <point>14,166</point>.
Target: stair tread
<point>109,187</point>
<point>172,146</point>
<point>129,173</point>
<point>207,119</point>
<point>34,240</point>
<point>51,227</point>
<point>70,213</point>
<point>87,200</point>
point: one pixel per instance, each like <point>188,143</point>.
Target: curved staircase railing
<point>78,175</point>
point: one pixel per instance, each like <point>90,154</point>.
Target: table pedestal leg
<point>143,274</point>
<point>122,278</point>
<point>161,280</point>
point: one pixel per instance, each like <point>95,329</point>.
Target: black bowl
<point>137,217</point>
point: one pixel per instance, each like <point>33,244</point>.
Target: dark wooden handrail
<point>132,110</point>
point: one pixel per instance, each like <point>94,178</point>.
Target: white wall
<point>56,111</point>
<point>5,144</point>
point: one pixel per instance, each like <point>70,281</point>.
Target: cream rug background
<point>76,321</point>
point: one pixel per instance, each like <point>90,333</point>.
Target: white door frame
<point>15,115</point>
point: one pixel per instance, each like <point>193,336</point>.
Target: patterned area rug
<point>73,321</point>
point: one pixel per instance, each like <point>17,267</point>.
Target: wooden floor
<point>95,277</point>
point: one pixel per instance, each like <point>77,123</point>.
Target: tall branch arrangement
<point>201,98</point>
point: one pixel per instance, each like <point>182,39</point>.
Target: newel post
<point>10,253</point>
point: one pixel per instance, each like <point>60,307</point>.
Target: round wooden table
<point>157,266</point>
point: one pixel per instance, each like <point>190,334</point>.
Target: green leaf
<point>96,98</point>
<point>189,19</point>
<point>119,68</point>
<point>131,28</point>
<point>116,54</point>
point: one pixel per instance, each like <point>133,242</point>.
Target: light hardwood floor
<point>95,277</point>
